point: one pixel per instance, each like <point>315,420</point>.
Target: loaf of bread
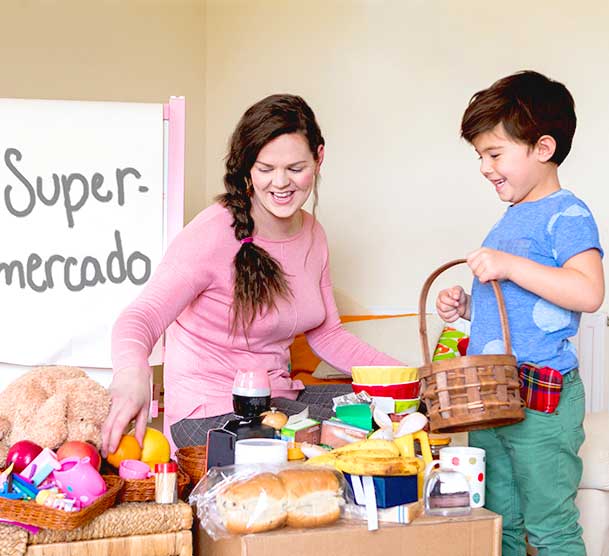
<point>314,496</point>
<point>253,505</point>
<point>298,497</point>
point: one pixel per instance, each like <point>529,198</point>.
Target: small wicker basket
<point>193,460</point>
<point>471,392</point>
<point>31,513</point>
<point>143,490</point>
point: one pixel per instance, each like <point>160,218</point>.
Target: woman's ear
<point>545,148</point>
<point>320,156</point>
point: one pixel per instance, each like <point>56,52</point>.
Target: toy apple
<point>21,454</point>
<point>76,448</point>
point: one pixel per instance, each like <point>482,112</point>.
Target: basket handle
<point>507,341</point>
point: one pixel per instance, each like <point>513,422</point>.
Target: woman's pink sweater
<point>191,294</point>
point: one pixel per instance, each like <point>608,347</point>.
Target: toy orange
<point>128,448</point>
<point>155,448</point>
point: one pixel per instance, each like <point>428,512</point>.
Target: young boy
<point>546,253</point>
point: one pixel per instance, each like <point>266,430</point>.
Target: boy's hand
<point>453,303</point>
<point>490,264</point>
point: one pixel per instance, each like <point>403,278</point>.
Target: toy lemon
<point>155,448</point>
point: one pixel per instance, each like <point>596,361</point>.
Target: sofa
<point>593,494</point>
<point>398,336</point>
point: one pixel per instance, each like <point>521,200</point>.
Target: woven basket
<point>471,392</point>
<point>30,513</point>
<point>193,460</point>
<point>143,490</point>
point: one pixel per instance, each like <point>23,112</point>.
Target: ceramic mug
<point>261,450</point>
<point>134,469</point>
<point>472,463</point>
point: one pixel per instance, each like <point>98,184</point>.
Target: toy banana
<point>355,464</point>
<point>380,446</point>
<point>325,460</point>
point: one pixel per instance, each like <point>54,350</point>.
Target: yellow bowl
<point>384,374</point>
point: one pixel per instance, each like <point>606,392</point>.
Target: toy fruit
<point>21,454</point>
<point>128,448</point>
<point>155,448</point>
<point>77,448</point>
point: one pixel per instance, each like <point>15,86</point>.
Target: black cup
<point>250,406</point>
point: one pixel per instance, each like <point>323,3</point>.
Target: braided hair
<point>258,278</point>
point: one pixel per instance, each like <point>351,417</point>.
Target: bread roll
<point>253,505</point>
<point>314,496</point>
<point>274,418</point>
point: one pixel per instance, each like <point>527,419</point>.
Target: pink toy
<point>41,467</point>
<point>134,469</point>
<point>78,479</point>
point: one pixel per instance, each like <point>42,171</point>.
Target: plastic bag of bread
<point>240,499</point>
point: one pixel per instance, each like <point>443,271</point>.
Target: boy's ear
<point>545,148</point>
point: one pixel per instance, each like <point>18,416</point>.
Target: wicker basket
<point>471,392</point>
<point>193,460</point>
<point>30,513</point>
<point>143,490</point>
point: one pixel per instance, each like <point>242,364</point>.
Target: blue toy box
<point>393,490</point>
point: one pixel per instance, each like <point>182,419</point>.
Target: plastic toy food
<point>128,448</point>
<point>75,448</point>
<point>155,448</point>
<point>274,418</point>
<point>21,454</point>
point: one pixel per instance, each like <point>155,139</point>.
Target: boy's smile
<point>519,172</point>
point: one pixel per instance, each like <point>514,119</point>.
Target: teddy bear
<point>51,405</point>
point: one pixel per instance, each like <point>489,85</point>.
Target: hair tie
<point>248,239</point>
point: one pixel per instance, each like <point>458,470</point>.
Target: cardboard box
<point>478,534</point>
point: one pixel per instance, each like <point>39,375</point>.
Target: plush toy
<point>51,405</point>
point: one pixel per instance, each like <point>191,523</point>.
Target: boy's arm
<point>578,285</point>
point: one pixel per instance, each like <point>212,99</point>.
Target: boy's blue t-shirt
<point>549,231</point>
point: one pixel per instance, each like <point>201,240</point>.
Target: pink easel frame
<point>174,124</point>
<point>174,113</point>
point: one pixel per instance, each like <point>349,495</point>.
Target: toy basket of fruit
<point>61,489</point>
<point>140,487</point>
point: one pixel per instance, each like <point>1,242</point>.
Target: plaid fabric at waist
<point>540,387</point>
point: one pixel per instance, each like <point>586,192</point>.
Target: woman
<point>235,286</point>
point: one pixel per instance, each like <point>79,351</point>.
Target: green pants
<point>532,475</point>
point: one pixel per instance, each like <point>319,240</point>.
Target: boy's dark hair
<point>529,105</point>
<point>259,278</point>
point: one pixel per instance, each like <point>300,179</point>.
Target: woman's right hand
<point>130,395</point>
<point>453,303</point>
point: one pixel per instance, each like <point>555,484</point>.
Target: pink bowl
<point>401,391</point>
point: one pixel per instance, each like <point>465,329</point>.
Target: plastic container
<point>436,443</point>
<point>446,491</point>
<point>166,483</point>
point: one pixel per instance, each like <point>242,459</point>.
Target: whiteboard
<point>81,221</point>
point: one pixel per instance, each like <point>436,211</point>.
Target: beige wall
<point>135,50</point>
<point>389,79</point>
